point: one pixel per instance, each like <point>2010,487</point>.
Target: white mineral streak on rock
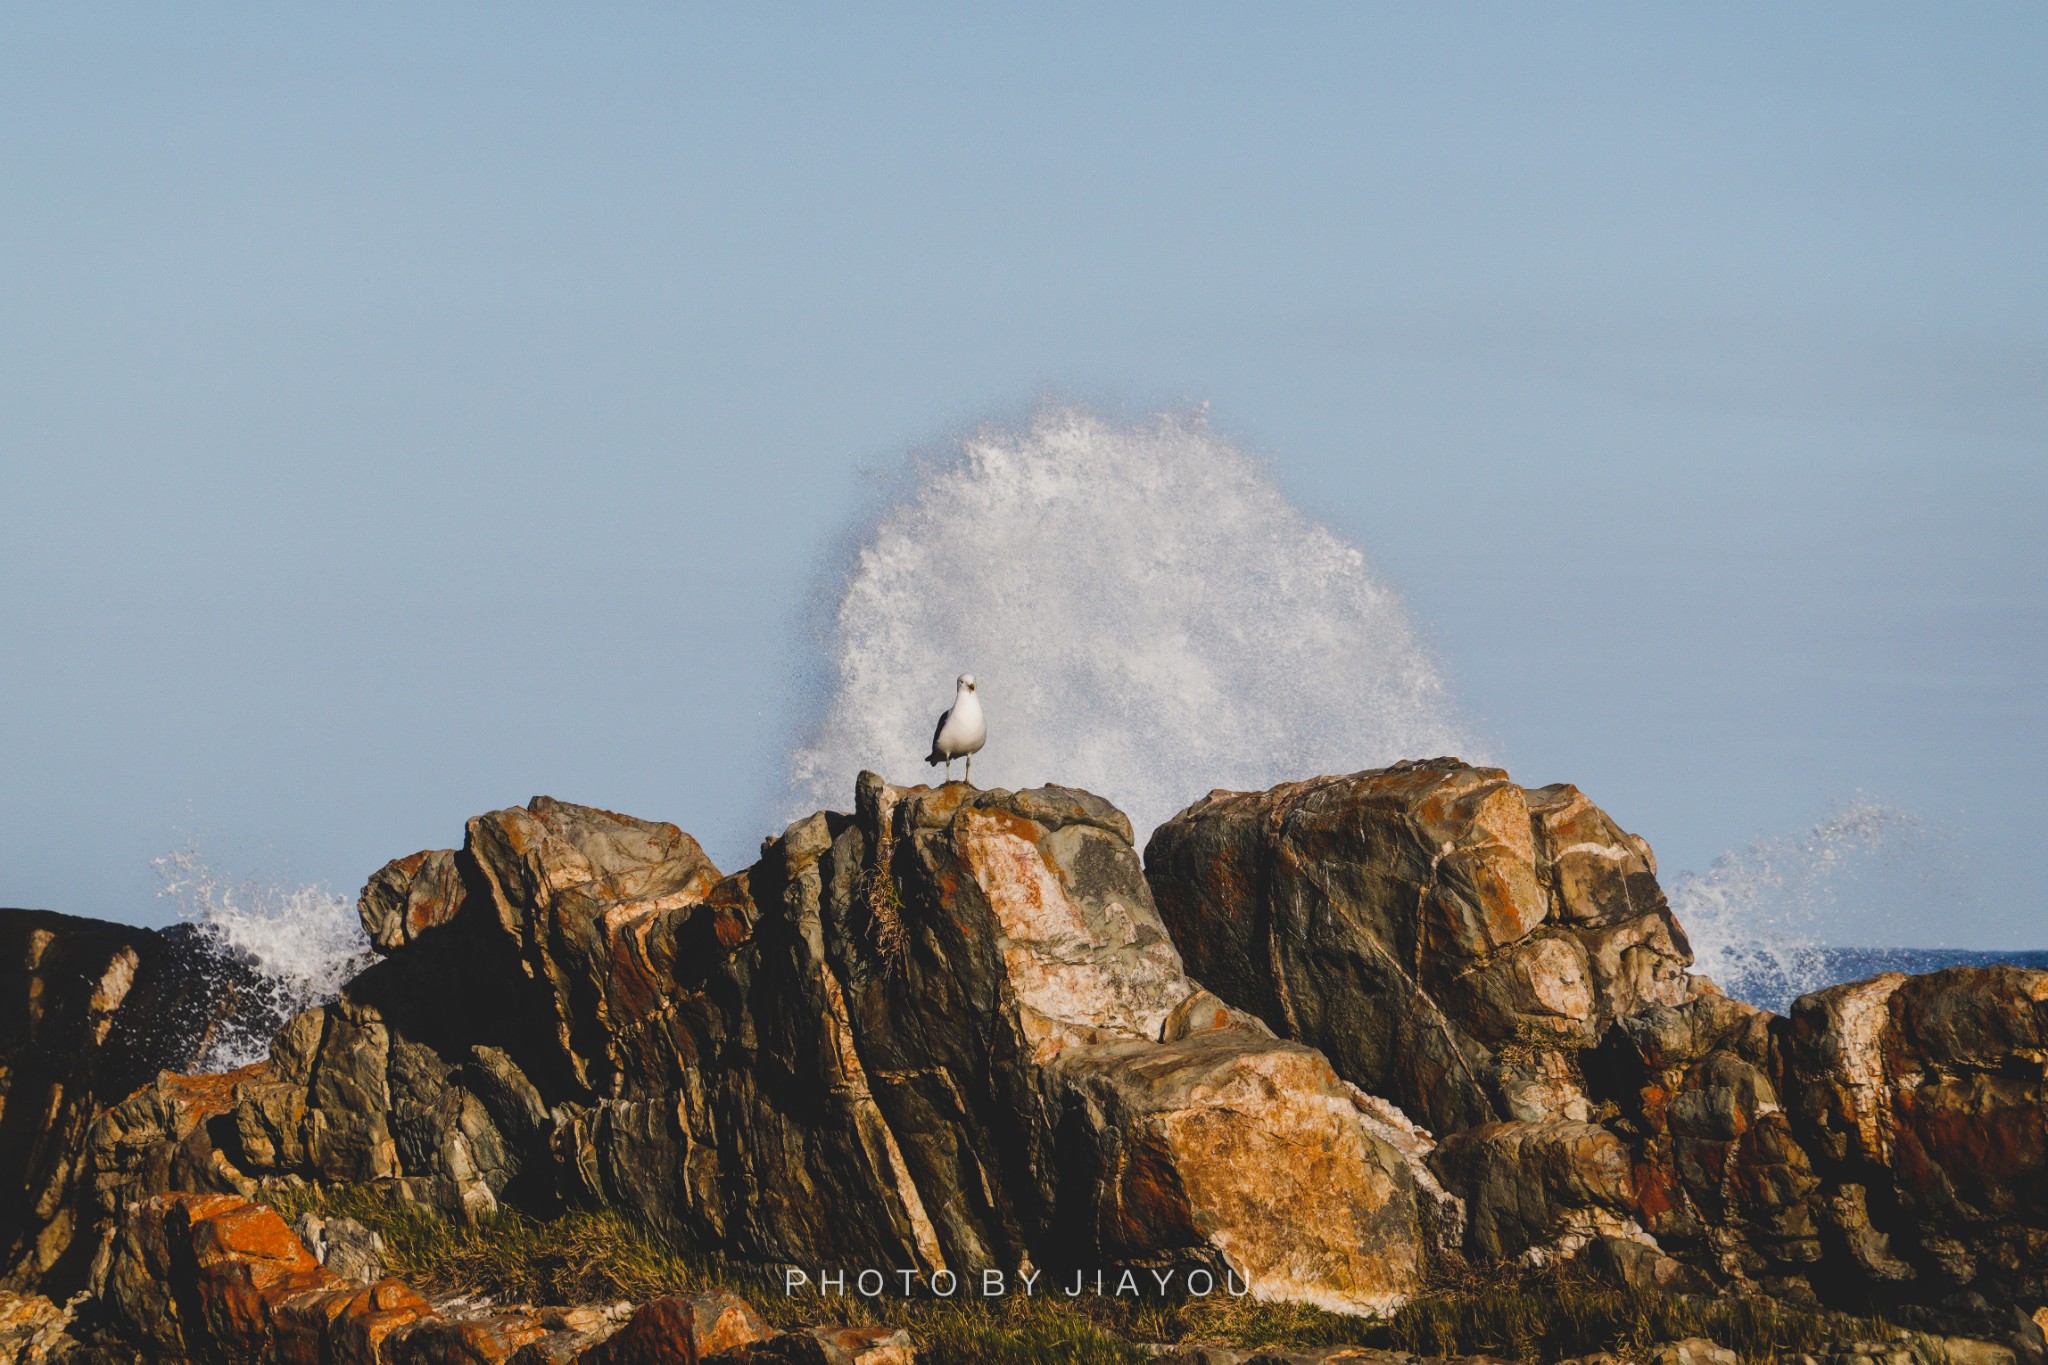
<point>1853,1047</point>
<point>1060,966</point>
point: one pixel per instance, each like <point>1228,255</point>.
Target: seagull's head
<point>965,682</point>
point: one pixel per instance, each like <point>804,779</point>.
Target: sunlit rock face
<point>956,1030</point>
<point>1450,939</point>
<point>1012,984</point>
<point>1499,961</point>
<point>946,1031</point>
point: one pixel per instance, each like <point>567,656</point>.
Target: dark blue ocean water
<point>1774,981</point>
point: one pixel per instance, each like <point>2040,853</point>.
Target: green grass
<point>602,1257</point>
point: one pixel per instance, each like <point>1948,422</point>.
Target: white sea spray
<point>302,944</point>
<point>1760,916</point>
<point>1147,615</point>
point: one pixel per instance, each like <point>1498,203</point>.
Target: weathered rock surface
<point>1720,1175</point>
<point>216,1279</point>
<point>954,1030</point>
<point>345,1247</point>
<point>945,1032</point>
<point>1451,940</point>
<point>1925,1100</point>
<point>1886,1139</point>
<point>1538,1192</point>
<point>89,1011</point>
<point>1005,970</point>
<point>34,1330</point>
<point>1500,961</point>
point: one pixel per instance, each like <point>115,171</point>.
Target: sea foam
<point>1757,916</point>
<point>298,946</point>
<point>1147,617</point>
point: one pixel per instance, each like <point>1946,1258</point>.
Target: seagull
<point>961,731</point>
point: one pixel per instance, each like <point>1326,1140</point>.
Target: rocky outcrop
<point>1451,940</point>
<point>1501,961</point>
<point>1886,1139</point>
<point>89,1011</point>
<point>947,1031</point>
<point>1720,1173</point>
<point>953,1030</point>
<point>216,1278</point>
<point>1029,1032</point>
<point>1925,1101</point>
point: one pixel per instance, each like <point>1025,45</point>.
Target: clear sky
<point>408,409</point>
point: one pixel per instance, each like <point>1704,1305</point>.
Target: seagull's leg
<point>970,770</point>
<point>949,770</point>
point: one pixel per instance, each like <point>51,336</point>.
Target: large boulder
<point>1500,962</point>
<point>1451,940</point>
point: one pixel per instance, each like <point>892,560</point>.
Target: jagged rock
<point>1720,1172</point>
<point>161,1139</point>
<point>218,1280</point>
<point>1926,1099</point>
<point>89,1011</point>
<point>344,1324</point>
<point>950,1031</point>
<point>1005,970</point>
<point>1539,1192</point>
<point>201,1277</point>
<point>946,1032</point>
<point>34,1331</point>
<point>345,1247</point>
<point>1451,940</point>
<point>682,1328</point>
<point>408,896</point>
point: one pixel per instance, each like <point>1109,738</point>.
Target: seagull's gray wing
<point>937,757</point>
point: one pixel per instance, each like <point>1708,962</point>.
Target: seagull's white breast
<point>964,731</point>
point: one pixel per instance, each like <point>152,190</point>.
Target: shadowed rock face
<point>1926,1099</point>
<point>1891,1136</point>
<point>1450,939</point>
<point>89,1011</point>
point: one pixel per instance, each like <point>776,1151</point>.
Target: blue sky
<point>407,410</point>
